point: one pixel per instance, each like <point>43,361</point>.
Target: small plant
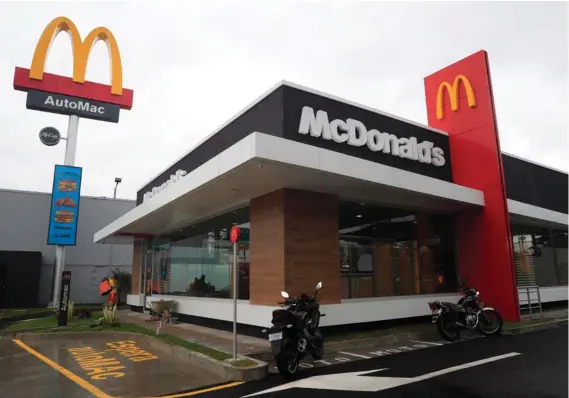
<point>70,307</point>
<point>109,316</point>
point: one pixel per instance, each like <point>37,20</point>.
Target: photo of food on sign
<point>67,185</point>
<point>64,216</point>
<point>65,202</point>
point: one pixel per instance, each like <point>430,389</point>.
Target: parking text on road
<point>98,365</point>
<point>130,350</point>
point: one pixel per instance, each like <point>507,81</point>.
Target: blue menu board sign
<point>64,211</point>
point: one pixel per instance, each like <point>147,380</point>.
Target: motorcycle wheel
<point>483,320</point>
<point>446,332</point>
<point>318,352</point>
<point>287,364</point>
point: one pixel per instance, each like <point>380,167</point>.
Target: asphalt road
<point>529,365</point>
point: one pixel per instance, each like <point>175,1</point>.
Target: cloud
<point>192,67</point>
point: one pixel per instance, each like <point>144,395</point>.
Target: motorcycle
<point>295,332</point>
<point>469,313</point>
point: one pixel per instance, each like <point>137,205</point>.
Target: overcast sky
<point>194,66</point>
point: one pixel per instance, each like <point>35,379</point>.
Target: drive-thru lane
<point>528,365</point>
<point>101,366</point>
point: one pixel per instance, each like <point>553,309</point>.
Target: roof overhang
<point>260,164</point>
<point>532,215</point>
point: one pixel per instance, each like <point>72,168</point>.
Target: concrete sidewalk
<point>260,348</point>
<point>213,338</point>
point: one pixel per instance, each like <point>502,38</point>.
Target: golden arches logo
<point>81,51</point>
<point>453,92</point>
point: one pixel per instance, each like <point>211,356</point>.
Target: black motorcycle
<point>469,313</point>
<point>295,332</point>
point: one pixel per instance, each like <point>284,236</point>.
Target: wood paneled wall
<point>294,245</point>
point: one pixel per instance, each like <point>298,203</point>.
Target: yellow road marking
<point>97,392</point>
<point>189,394</point>
<point>70,375</point>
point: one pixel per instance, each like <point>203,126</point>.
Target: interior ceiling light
<point>359,216</point>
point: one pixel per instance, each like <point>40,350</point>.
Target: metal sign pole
<point>235,284</point>
<point>69,160</point>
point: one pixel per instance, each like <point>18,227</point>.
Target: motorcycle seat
<point>453,306</point>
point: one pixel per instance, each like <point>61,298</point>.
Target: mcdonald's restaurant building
<point>388,213</point>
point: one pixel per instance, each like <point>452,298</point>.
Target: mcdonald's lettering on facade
<point>37,79</point>
<point>453,93</point>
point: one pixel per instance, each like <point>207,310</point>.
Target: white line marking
<point>354,355</point>
<point>355,382</point>
<point>465,366</point>
<point>425,342</point>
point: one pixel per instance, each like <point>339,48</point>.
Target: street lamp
<point>118,180</point>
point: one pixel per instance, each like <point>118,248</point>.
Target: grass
<point>51,322</point>
<point>84,325</point>
<point>11,312</point>
<point>528,322</point>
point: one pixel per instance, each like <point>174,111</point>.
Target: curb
<point>222,369</point>
<point>535,328</point>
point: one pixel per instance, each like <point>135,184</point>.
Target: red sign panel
<point>460,101</point>
<point>234,235</point>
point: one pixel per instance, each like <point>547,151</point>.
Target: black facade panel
<point>264,117</point>
<point>535,185</point>
<point>295,100</point>
<point>19,279</point>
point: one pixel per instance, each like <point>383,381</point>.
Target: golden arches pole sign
<point>453,92</point>
<point>36,82</point>
<point>81,51</point>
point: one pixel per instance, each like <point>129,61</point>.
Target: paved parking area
<point>103,366</point>
<point>338,357</point>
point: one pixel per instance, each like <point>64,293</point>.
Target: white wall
<point>350,311</point>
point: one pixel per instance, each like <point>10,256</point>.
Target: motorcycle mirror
<point>284,294</point>
<point>319,286</point>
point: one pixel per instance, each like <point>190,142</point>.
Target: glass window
<point>387,252</point>
<point>197,260</point>
<point>536,256</point>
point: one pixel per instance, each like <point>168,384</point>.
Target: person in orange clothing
<point>113,295</point>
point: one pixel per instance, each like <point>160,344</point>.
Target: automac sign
<point>355,133</point>
<point>80,105</point>
<point>66,105</point>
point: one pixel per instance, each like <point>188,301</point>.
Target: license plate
<point>436,314</point>
<point>276,336</point>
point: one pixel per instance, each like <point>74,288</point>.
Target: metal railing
<point>530,302</point>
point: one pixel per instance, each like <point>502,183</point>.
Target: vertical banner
<point>64,211</point>
<point>64,298</point>
<point>460,101</point>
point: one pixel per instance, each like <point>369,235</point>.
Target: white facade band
<point>353,132</point>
